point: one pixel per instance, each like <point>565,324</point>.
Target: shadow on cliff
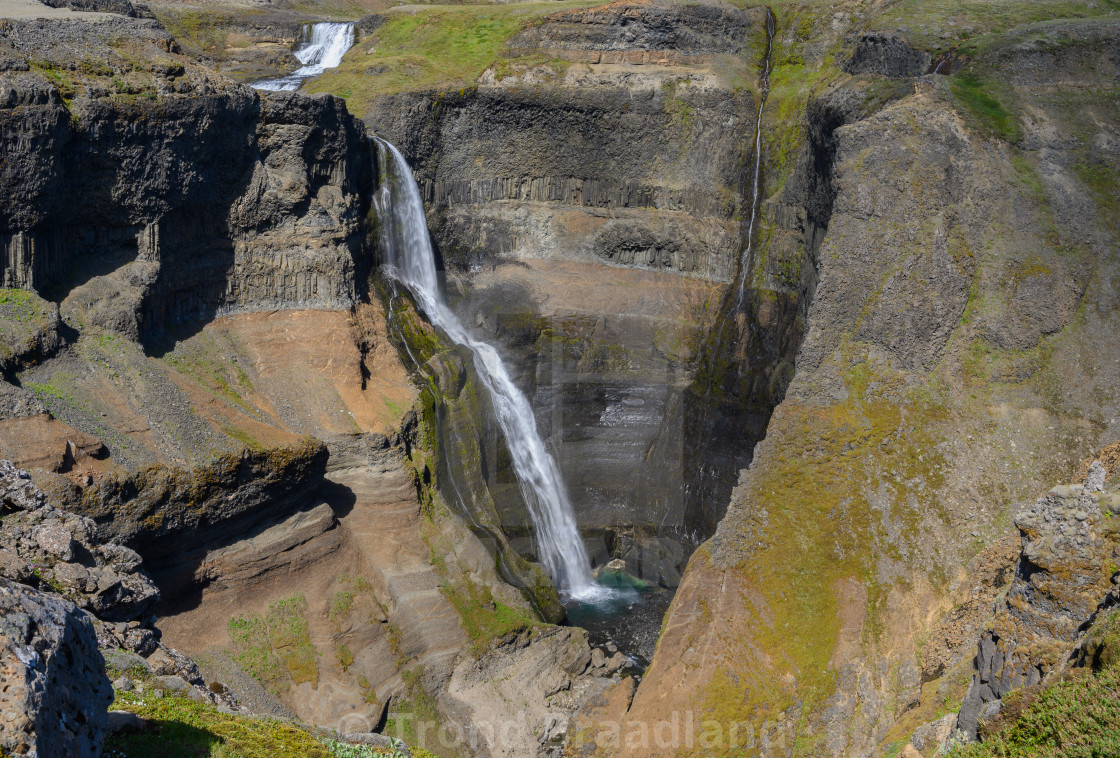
<point>182,578</point>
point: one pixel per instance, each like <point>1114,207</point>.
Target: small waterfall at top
<point>411,261</point>
<point>329,42</point>
<point>756,200</point>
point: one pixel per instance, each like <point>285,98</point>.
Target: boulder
<point>54,694</point>
<point>124,722</point>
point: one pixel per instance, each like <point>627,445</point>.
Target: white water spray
<point>410,260</point>
<point>329,42</point>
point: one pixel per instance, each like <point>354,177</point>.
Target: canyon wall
<point>192,360</point>
<point>953,364</point>
<point>587,196</point>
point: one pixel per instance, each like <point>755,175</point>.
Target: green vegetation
<point>24,318</point>
<point>276,649</point>
<point>484,618</point>
<point>341,604</point>
<point>414,707</point>
<point>928,21</point>
<point>822,528</point>
<point>204,31</point>
<point>988,114</point>
<point>186,728</point>
<point>1077,717</point>
<point>1102,180</point>
<point>59,77</point>
<point>443,47</point>
<point>202,359</point>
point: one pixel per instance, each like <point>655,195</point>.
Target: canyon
<point>804,306</point>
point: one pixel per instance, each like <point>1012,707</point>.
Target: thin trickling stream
<point>756,180</point>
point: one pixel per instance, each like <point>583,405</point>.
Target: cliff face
<point>965,276</point>
<point>924,337</point>
<point>199,371</point>
<point>160,192</point>
<point>587,197</point>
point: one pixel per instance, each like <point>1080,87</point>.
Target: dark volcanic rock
<point>121,7</point>
<point>151,190</point>
<point>886,54</point>
<point>53,689</point>
<point>702,28</point>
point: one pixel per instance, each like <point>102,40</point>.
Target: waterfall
<point>410,260</point>
<point>745,260</point>
<point>756,200</point>
<point>329,42</point>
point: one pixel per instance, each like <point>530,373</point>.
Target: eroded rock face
<point>920,271</point>
<point>53,689</point>
<point>546,676</point>
<point>888,54</point>
<point>194,199</point>
<point>149,510</point>
<point>703,28</point>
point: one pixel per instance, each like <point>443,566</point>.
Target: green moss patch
<point>185,728</point>
<point>813,523</point>
<point>435,47</point>
<point>978,96</point>
<point>276,649</point>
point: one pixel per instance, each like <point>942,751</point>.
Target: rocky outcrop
<point>53,689</point>
<point>51,549</point>
<point>64,595</point>
<point>668,30</point>
<point>549,673</point>
<point>165,511</point>
<point>121,7</point>
<point>886,54</point>
<point>1069,538</point>
<point>194,196</point>
<point>29,330</point>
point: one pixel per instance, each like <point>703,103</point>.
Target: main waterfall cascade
<point>329,42</point>
<point>410,260</point>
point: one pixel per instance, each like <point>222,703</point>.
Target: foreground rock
<point>69,591</point>
<point>545,676</point>
<point>53,549</point>
<point>53,688</point>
